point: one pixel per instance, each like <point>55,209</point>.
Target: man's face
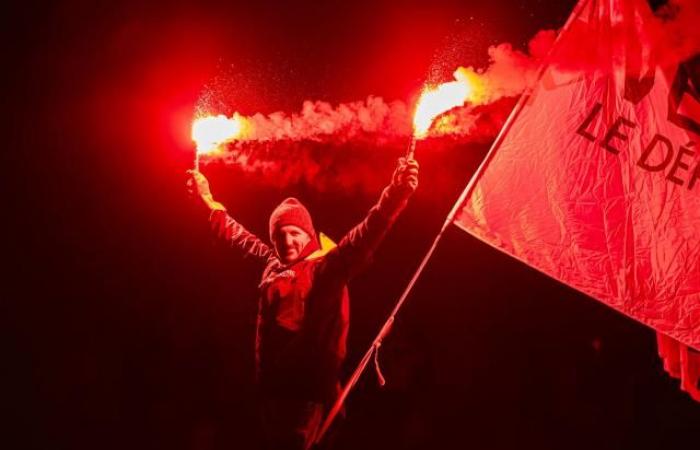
<point>289,242</point>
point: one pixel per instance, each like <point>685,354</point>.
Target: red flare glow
<point>440,99</point>
<point>212,131</point>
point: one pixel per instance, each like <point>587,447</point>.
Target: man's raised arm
<point>355,249</point>
<point>222,225</point>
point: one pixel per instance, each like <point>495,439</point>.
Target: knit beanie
<point>291,212</point>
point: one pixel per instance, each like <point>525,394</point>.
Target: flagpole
<point>522,101</point>
<point>384,331</point>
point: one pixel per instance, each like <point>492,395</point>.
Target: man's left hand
<point>406,175</point>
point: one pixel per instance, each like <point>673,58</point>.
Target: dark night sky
<point>126,328</point>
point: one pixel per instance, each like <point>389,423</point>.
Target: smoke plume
<point>316,144</point>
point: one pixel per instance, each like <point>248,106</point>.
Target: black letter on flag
<point>582,129</point>
<point>695,177</point>
<point>678,163</point>
<point>614,132</point>
<point>647,151</point>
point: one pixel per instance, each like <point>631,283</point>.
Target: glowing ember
<point>437,100</point>
<point>210,132</point>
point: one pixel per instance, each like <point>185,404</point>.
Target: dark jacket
<point>303,312</point>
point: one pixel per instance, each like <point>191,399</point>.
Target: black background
<point>123,327</point>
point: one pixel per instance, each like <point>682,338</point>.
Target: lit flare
<point>439,99</point>
<point>212,131</point>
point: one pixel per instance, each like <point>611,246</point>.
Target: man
<point>303,312</point>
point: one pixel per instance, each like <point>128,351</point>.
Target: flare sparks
<point>440,99</point>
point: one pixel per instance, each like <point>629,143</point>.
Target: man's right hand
<point>198,188</point>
